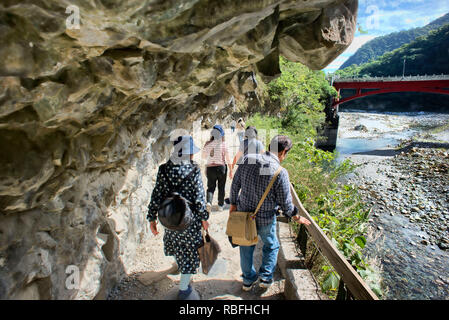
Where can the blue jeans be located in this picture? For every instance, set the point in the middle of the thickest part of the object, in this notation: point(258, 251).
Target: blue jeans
point(269, 255)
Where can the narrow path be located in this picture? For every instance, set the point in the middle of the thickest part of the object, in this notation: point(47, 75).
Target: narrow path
point(152, 274)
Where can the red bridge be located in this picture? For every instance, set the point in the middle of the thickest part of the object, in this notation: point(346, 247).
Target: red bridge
point(370, 86)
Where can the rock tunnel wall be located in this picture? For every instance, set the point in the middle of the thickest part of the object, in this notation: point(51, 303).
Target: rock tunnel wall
point(86, 114)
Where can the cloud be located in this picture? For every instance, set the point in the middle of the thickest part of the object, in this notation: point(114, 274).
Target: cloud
point(380, 17)
point(334, 65)
point(357, 43)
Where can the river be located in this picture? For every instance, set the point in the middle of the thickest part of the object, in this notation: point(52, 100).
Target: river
point(408, 192)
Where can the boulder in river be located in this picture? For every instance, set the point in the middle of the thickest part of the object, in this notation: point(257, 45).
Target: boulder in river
point(361, 127)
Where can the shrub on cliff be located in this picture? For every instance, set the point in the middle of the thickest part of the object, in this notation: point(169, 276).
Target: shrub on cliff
point(301, 94)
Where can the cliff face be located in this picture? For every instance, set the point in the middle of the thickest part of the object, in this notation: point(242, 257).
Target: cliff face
point(86, 115)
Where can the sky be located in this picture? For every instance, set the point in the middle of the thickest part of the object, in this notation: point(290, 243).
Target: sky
point(381, 17)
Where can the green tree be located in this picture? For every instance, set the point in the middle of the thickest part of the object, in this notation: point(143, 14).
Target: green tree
point(301, 95)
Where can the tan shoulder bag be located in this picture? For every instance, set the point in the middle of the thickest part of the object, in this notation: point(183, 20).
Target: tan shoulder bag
point(241, 226)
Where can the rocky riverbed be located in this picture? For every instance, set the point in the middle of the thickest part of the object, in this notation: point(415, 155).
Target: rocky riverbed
point(403, 176)
point(425, 200)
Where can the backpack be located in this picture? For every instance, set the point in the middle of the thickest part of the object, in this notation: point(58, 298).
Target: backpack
point(174, 212)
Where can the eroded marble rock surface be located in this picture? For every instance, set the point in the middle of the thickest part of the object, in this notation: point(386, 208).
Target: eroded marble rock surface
point(86, 115)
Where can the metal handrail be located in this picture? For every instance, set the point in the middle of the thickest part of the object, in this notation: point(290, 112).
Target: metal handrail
point(358, 288)
point(392, 78)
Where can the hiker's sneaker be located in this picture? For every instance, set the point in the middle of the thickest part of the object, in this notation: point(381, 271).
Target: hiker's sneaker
point(208, 207)
point(247, 287)
point(265, 283)
point(184, 294)
point(220, 208)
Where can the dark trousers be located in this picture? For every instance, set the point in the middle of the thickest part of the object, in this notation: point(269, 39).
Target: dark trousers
point(216, 176)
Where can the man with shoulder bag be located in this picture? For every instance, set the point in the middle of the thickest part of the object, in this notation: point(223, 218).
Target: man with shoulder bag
point(259, 189)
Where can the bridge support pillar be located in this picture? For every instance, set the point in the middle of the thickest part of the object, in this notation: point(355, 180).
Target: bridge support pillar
point(327, 133)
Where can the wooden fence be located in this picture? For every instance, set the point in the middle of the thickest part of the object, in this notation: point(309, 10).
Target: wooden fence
point(351, 284)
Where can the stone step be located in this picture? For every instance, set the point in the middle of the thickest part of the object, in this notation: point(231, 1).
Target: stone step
point(299, 281)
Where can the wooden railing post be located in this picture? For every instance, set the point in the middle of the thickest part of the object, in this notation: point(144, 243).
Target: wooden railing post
point(302, 239)
point(342, 293)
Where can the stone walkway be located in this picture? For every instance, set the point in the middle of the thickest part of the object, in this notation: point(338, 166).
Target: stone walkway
point(152, 275)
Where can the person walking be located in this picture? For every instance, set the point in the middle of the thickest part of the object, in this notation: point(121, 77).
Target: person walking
point(250, 145)
point(182, 175)
point(217, 154)
point(232, 125)
point(240, 129)
point(250, 182)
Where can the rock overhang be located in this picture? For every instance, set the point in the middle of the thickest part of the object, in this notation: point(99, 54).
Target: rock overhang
point(84, 114)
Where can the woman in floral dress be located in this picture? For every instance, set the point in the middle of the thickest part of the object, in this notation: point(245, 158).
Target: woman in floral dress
point(177, 174)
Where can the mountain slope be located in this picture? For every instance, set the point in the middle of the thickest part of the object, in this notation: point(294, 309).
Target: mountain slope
point(426, 55)
point(392, 41)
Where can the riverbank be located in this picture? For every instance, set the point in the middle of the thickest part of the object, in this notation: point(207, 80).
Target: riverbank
point(403, 176)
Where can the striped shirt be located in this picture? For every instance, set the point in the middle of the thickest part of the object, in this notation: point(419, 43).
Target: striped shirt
point(215, 152)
